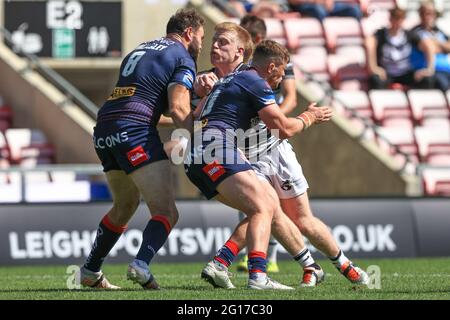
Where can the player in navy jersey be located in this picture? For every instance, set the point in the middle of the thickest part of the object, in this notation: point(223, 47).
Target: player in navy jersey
point(275, 163)
point(155, 78)
point(286, 95)
point(233, 103)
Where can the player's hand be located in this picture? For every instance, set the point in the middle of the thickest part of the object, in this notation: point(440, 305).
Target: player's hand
point(204, 83)
point(321, 114)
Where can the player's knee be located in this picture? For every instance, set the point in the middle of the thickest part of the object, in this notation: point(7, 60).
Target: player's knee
point(124, 208)
point(269, 206)
point(277, 217)
point(170, 212)
point(306, 226)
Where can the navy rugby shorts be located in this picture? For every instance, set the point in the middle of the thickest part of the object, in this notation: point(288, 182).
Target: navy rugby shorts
point(126, 145)
point(207, 176)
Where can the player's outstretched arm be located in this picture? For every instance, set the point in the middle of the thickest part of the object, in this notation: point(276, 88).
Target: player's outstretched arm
point(179, 106)
point(287, 127)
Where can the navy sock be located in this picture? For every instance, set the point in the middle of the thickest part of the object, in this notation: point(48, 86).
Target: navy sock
point(227, 253)
point(154, 236)
point(107, 236)
point(256, 264)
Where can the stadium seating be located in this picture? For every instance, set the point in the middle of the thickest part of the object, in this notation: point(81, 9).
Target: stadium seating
point(389, 104)
point(313, 60)
point(417, 122)
point(432, 141)
point(346, 101)
point(436, 181)
point(29, 146)
point(303, 32)
point(374, 22)
point(427, 103)
point(340, 31)
point(348, 72)
point(275, 30)
point(401, 137)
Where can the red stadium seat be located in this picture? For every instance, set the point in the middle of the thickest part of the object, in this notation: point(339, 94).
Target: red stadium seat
point(340, 31)
point(29, 143)
point(398, 123)
point(437, 123)
point(303, 32)
point(347, 101)
point(427, 103)
point(432, 141)
point(348, 72)
point(402, 137)
point(375, 21)
point(275, 30)
point(358, 53)
point(313, 60)
point(436, 181)
point(389, 104)
point(439, 160)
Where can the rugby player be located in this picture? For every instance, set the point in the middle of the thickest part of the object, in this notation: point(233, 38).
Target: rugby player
point(286, 95)
point(155, 78)
point(286, 176)
point(238, 98)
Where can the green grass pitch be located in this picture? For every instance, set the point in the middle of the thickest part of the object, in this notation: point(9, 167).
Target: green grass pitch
point(424, 278)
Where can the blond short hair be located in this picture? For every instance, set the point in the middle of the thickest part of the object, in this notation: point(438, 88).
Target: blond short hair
point(243, 37)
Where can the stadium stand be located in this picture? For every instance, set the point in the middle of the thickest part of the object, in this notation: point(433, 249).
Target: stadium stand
point(389, 104)
point(330, 57)
point(428, 104)
point(303, 32)
point(26, 150)
point(410, 125)
point(340, 31)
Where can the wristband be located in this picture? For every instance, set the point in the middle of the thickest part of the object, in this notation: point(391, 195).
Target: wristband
point(307, 118)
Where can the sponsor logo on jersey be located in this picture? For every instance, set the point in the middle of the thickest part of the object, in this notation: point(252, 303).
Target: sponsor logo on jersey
point(287, 185)
point(122, 92)
point(188, 78)
point(214, 170)
point(137, 156)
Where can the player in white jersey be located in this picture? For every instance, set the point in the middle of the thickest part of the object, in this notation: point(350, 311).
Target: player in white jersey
point(274, 161)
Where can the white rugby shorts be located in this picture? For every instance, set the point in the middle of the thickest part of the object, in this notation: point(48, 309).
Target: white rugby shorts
point(282, 170)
